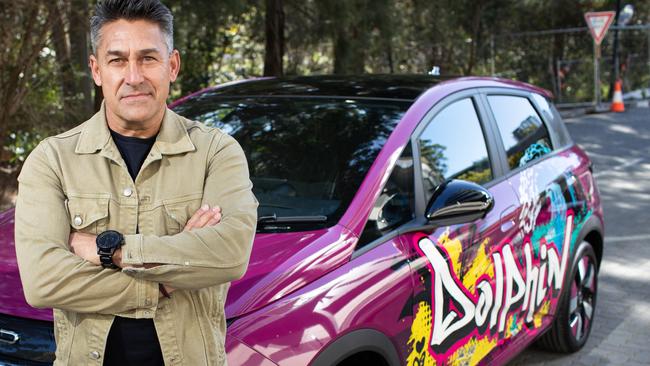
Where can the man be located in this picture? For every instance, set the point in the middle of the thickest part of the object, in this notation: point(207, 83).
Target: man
point(132, 224)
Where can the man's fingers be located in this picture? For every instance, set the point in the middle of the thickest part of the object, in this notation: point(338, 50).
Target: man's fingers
point(201, 218)
point(192, 221)
point(214, 220)
point(204, 216)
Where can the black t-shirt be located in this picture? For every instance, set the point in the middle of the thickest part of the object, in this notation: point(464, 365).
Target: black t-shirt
point(133, 341)
point(134, 151)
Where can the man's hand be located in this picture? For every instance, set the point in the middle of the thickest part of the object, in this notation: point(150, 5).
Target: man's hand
point(204, 216)
point(84, 246)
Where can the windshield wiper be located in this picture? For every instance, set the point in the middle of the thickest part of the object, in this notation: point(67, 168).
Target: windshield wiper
point(291, 219)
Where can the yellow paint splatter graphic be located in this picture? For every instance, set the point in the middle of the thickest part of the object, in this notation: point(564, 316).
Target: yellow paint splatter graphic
point(541, 313)
point(420, 338)
point(472, 352)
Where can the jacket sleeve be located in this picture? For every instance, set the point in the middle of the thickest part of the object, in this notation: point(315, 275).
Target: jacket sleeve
point(53, 276)
point(210, 255)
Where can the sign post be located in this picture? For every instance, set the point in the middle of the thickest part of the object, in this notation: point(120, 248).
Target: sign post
point(598, 23)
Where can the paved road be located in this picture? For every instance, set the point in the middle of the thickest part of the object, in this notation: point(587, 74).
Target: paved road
point(619, 145)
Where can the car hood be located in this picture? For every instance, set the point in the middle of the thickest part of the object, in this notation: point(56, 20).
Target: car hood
point(12, 299)
point(280, 263)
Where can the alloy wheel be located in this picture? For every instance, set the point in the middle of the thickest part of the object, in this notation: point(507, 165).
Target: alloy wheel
point(582, 300)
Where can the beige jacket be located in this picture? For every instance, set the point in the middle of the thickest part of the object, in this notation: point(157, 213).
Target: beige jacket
point(77, 181)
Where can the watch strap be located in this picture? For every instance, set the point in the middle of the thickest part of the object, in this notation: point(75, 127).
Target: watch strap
point(106, 258)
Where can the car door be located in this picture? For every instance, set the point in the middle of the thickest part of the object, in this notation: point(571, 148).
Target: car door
point(463, 298)
point(552, 201)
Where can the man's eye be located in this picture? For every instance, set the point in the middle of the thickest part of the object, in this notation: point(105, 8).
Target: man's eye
point(149, 58)
point(116, 61)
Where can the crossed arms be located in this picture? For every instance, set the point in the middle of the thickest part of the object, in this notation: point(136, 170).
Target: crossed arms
point(201, 256)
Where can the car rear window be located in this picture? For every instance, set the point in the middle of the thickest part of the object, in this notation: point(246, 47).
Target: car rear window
point(522, 131)
point(552, 116)
point(307, 156)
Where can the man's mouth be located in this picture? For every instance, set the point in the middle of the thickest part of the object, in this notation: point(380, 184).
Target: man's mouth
point(136, 96)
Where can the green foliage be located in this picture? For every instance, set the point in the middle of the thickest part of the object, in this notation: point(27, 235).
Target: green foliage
point(224, 40)
point(19, 144)
point(218, 42)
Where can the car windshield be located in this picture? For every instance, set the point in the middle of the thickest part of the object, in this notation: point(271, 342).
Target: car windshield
point(307, 156)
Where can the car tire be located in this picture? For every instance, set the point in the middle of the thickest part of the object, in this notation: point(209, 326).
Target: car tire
point(575, 314)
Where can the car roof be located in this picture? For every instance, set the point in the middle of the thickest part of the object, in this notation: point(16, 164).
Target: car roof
point(399, 87)
point(405, 87)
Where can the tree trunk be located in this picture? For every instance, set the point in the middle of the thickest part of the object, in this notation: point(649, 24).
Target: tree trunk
point(349, 55)
point(79, 52)
point(389, 55)
point(274, 38)
point(476, 31)
point(66, 70)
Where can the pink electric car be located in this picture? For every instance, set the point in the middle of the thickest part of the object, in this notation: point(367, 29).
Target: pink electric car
point(403, 220)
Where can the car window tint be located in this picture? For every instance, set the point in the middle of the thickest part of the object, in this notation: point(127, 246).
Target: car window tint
point(522, 131)
point(395, 204)
point(453, 146)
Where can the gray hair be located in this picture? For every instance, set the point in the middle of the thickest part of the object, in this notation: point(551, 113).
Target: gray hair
point(151, 10)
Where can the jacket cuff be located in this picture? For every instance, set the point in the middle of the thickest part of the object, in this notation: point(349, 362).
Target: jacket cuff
point(148, 295)
point(132, 250)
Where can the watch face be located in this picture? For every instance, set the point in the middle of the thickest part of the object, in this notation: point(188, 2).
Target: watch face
point(109, 239)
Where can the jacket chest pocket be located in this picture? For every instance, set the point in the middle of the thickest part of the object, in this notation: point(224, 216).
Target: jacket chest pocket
point(179, 210)
point(88, 212)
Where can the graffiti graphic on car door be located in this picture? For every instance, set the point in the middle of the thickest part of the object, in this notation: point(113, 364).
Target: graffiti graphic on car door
point(472, 305)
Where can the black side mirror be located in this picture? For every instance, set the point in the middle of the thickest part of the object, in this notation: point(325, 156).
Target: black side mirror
point(457, 202)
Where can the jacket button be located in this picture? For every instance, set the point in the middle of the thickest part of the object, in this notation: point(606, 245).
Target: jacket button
point(94, 355)
point(77, 220)
point(127, 192)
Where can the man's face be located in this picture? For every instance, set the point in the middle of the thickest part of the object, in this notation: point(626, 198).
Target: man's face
point(134, 68)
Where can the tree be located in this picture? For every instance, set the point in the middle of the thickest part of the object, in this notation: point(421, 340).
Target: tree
point(24, 29)
point(70, 36)
point(202, 34)
point(353, 26)
point(273, 65)
point(79, 35)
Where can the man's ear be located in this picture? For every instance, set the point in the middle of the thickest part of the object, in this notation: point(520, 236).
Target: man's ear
point(174, 65)
point(94, 69)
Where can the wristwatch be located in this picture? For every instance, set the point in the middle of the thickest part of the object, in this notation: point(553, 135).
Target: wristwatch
point(107, 243)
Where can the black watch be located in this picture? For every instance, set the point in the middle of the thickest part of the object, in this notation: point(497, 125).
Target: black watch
point(107, 243)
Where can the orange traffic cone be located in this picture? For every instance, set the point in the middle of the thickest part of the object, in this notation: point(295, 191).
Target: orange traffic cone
point(617, 102)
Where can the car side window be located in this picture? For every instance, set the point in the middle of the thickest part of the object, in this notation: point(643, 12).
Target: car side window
point(452, 146)
point(395, 204)
point(554, 120)
point(522, 131)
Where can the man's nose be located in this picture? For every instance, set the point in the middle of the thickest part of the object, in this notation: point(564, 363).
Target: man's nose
point(134, 74)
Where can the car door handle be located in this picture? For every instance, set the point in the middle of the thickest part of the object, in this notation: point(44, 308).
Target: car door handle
point(8, 336)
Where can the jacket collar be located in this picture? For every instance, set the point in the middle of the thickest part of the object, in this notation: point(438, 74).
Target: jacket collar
point(172, 137)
